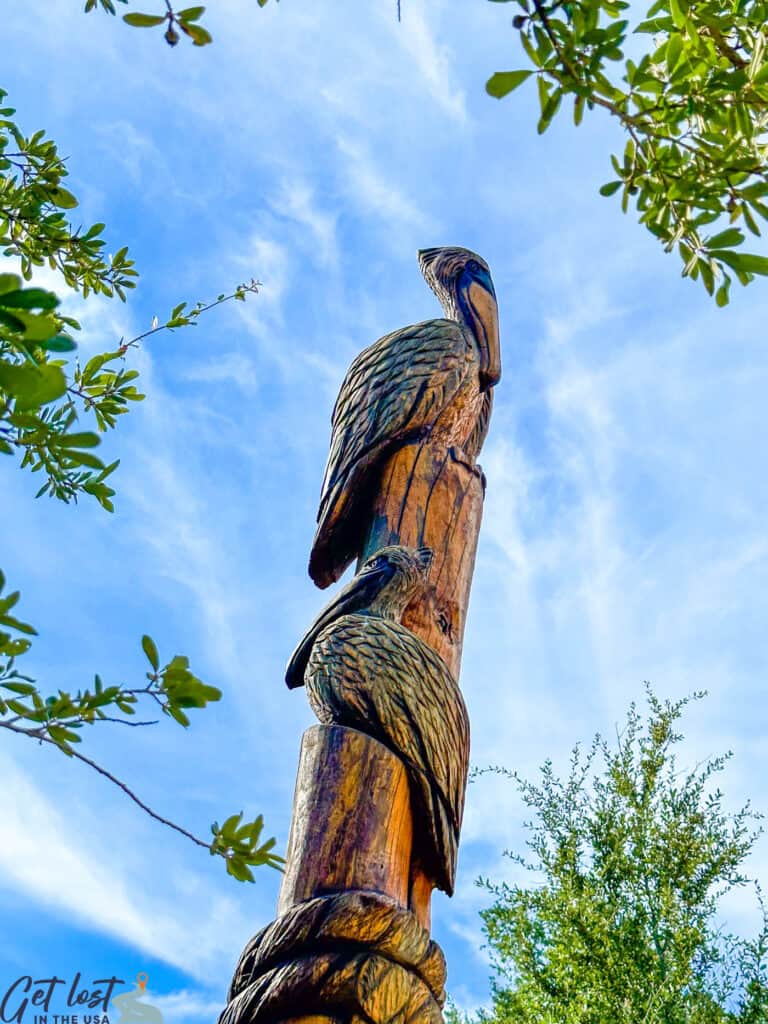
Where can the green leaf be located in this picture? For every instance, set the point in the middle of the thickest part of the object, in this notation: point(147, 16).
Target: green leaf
point(610, 187)
point(150, 649)
point(199, 35)
point(721, 295)
point(144, 20)
point(238, 869)
point(32, 386)
point(62, 198)
point(37, 326)
point(191, 13)
point(752, 263)
point(25, 689)
point(744, 262)
point(674, 50)
point(84, 439)
point(550, 109)
point(61, 343)
point(11, 322)
point(231, 823)
point(29, 298)
point(504, 82)
point(726, 239)
point(9, 283)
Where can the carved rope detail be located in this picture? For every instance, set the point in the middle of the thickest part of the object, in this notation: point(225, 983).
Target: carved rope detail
point(349, 953)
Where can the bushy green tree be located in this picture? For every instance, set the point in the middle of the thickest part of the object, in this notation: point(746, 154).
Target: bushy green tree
point(52, 413)
point(630, 857)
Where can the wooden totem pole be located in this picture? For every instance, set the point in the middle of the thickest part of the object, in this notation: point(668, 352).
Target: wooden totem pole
point(380, 788)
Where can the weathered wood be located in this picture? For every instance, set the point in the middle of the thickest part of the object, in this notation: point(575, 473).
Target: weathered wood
point(356, 921)
point(362, 983)
point(351, 825)
point(363, 669)
point(346, 957)
point(429, 498)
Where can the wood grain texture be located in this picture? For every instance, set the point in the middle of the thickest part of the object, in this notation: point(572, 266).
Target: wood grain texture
point(345, 957)
point(351, 825)
point(352, 920)
point(368, 838)
point(335, 983)
point(427, 498)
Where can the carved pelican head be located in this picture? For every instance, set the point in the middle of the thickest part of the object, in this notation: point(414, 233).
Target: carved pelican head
point(400, 573)
point(461, 280)
point(383, 586)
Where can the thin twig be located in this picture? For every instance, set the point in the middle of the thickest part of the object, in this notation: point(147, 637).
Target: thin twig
point(120, 785)
point(124, 721)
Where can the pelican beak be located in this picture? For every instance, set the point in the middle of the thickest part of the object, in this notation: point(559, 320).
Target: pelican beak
point(358, 593)
point(480, 304)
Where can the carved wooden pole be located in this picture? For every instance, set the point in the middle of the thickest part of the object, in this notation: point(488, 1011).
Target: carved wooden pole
point(380, 788)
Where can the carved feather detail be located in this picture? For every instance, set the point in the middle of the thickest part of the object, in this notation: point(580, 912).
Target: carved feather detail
point(416, 382)
point(376, 676)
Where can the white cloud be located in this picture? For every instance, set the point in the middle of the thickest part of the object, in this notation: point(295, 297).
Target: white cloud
point(135, 152)
point(374, 192)
point(432, 60)
point(187, 1005)
point(296, 199)
point(46, 857)
point(228, 368)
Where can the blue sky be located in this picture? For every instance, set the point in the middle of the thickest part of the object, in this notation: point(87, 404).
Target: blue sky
point(316, 146)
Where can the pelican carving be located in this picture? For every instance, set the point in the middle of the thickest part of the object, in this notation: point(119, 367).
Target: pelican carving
point(365, 670)
point(432, 380)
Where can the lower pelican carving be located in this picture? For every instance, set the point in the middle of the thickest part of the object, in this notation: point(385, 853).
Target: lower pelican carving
point(365, 670)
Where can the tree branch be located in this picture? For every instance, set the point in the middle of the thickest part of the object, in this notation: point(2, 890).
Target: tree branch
point(42, 738)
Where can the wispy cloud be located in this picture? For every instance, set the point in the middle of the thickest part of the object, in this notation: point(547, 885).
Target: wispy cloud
point(47, 859)
point(432, 59)
point(296, 199)
point(377, 195)
point(187, 1005)
point(229, 368)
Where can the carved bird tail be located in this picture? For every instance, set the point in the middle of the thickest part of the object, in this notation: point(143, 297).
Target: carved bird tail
point(340, 525)
point(439, 855)
point(332, 551)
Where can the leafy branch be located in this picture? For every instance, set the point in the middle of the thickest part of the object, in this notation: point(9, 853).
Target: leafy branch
point(694, 109)
point(40, 404)
point(186, 20)
point(58, 720)
point(42, 398)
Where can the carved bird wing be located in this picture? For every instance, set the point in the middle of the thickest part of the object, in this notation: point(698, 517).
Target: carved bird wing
point(393, 392)
point(377, 676)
